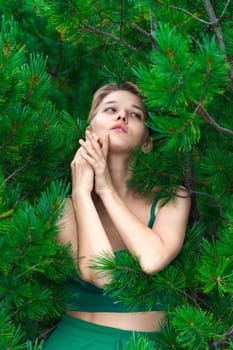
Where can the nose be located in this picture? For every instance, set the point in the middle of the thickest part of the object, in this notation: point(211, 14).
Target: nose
point(123, 116)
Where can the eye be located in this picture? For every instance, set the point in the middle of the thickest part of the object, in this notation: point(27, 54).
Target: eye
point(110, 109)
point(136, 115)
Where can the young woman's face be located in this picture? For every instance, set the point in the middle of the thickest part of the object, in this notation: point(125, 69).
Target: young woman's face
point(120, 114)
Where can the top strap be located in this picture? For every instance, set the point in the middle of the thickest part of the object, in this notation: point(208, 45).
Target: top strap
point(152, 213)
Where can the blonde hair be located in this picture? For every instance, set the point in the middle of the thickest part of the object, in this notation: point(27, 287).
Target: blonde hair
point(105, 90)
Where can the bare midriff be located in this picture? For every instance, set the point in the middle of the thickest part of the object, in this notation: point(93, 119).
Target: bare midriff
point(137, 321)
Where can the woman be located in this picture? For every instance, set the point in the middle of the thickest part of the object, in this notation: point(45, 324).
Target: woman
point(105, 214)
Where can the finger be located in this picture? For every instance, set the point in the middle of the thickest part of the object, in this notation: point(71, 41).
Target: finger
point(92, 144)
point(105, 146)
point(87, 158)
point(77, 154)
point(93, 138)
point(78, 160)
point(87, 147)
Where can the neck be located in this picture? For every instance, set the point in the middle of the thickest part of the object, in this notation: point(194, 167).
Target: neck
point(120, 173)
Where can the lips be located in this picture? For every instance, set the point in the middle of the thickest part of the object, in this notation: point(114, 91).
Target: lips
point(120, 127)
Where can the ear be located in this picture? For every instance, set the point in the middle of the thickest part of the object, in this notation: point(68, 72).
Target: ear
point(147, 145)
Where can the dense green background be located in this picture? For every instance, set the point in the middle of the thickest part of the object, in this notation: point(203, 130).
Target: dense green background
point(53, 56)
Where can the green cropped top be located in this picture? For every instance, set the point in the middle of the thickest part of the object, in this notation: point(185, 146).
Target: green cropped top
point(89, 298)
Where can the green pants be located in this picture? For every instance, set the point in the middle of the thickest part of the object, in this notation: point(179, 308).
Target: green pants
point(74, 334)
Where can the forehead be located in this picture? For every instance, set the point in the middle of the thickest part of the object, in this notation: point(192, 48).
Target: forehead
point(122, 97)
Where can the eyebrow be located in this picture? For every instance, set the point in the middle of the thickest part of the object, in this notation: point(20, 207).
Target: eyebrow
point(133, 105)
point(138, 107)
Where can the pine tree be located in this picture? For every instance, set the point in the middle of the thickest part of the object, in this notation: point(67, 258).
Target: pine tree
point(180, 55)
point(33, 183)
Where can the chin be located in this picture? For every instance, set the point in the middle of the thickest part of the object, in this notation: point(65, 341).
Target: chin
point(119, 148)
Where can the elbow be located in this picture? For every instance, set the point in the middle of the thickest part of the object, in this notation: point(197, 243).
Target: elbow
point(152, 265)
point(95, 280)
point(156, 261)
point(149, 269)
point(92, 276)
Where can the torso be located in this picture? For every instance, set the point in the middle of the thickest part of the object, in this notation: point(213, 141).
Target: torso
point(139, 206)
point(138, 321)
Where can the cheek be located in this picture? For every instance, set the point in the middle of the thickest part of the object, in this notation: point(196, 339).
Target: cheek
point(143, 136)
point(98, 129)
point(96, 123)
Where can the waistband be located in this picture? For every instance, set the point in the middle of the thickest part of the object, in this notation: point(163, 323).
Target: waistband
point(101, 331)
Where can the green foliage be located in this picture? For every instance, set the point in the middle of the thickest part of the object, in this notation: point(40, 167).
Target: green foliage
point(216, 269)
point(188, 320)
point(29, 131)
point(10, 61)
point(141, 342)
point(33, 279)
point(10, 335)
point(53, 55)
point(33, 138)
point(191, 321)
point(174, 96)
point(171, 283)
point(35, 346)
point(124, 286)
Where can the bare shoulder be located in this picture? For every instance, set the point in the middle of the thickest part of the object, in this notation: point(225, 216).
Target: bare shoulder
point(67, 212)
point(182, 198)
point(183, 192)
point(67, 226)
point(174, 214)
point(68, 205)
point(170, 225)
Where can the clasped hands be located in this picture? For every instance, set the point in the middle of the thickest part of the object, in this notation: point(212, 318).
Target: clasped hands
point(89, 166)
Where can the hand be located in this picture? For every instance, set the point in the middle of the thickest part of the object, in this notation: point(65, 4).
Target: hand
point(96, 155)
point(82, 174)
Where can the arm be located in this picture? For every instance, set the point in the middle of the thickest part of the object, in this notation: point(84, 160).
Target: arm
point(68, 229)
point(91, 236)
point(155, 248)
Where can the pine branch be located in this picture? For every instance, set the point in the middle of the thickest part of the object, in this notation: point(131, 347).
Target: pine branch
point(189, 183)
point(224, 10)
point(103, 33)
point(190, 297)
point(44, 334)
point(145, 33)
point(207, 117)
point(8, 140)
point(54, 71)
point(121, 17)
point(184, 11)
point(99, 11)
point(108, 35)
point(194, 327)
point(218, 31)
point(216, 200)
point(19, 169)
point(214, 22)
point(222, 342)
